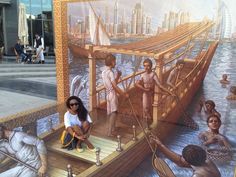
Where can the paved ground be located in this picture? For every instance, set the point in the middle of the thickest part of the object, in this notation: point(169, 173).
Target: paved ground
point(26, 86)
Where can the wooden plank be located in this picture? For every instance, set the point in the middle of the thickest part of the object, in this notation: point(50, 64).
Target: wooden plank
point(107, 147)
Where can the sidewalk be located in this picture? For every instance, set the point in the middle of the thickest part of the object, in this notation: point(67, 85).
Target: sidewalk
point(26, 86)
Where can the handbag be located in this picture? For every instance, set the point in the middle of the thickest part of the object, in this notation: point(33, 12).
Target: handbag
point(64, 138)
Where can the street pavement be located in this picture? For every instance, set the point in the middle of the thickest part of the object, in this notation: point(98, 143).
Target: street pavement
point(26, 86)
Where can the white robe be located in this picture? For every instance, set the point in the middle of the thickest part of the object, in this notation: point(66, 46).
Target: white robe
point(25, 148)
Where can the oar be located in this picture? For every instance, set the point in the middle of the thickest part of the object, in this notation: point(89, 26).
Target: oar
point(145, 135)
point(21, 162)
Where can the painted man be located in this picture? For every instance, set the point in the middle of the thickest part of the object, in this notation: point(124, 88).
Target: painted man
point(175, 74)
point(110, 83)
point(193, 157)
point(28, 149)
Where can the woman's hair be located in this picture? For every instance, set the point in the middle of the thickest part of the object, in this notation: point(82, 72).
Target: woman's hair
point(213, 115)
point(109, 59)
point(194, 155)
point(233, 90)
point(82, 111)
point(210, 102)
point(149, 61)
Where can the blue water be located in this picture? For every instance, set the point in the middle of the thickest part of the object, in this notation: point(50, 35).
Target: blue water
point(224, 61)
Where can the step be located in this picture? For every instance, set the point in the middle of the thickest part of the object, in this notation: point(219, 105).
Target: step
point(27, 69)
point(27, 74)
point(18, 65)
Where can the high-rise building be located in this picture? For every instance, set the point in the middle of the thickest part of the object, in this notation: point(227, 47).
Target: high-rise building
point(116, 17)
point(172, 20)
point(106, 15)
point(148, 25)
point(133, 22)
point(39, 19)
point(139, 18)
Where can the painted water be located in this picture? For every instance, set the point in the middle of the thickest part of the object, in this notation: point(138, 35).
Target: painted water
point(223, 62)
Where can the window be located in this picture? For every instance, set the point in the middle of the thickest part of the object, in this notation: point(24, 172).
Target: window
point(36, 9)
point(1, 28)
point(48, 33)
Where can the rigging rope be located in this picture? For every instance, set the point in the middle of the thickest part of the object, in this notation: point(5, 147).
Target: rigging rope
point(163, 174)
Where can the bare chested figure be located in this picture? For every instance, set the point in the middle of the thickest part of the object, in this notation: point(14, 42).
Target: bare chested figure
point(224, 79)
point(212, 136)
point(147, 83)
point(232, 96)
point(193, 157)
point(208, 107)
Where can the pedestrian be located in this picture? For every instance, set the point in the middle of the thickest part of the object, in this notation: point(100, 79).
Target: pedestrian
point(39, 45)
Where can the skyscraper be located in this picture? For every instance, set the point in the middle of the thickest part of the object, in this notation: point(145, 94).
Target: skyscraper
point(116, 17)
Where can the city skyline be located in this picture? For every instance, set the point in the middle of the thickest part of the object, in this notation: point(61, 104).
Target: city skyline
point(198, 9)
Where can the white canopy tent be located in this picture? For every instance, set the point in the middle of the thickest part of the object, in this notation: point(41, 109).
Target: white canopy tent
point(22, 25)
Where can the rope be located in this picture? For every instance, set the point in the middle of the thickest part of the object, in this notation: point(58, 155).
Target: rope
point(192, 124)
point(145, 135)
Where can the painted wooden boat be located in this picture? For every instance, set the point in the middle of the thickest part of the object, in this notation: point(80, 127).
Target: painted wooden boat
point(165, 49)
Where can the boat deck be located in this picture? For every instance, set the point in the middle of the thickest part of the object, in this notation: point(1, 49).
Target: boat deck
point(107, 147)
point(59, 157)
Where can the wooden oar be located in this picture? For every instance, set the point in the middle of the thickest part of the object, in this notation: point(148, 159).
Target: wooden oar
point(21, 162)
point(17, 160)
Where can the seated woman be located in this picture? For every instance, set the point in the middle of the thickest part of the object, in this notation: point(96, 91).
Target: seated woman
point(78, 125)
point(232, 96)
point(224, 79)
point(212, 136)
point(209, 107)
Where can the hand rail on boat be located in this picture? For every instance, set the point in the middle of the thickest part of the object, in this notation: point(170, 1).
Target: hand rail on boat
point(181, 87)
point(101, 91)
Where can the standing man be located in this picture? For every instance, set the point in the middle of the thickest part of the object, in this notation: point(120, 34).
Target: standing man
point(28, 149)
point(174, 75)
point(110, 83)
point(39, 45)
point(147, 83)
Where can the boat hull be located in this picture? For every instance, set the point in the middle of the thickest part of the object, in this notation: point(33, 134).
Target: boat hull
point(134, 152)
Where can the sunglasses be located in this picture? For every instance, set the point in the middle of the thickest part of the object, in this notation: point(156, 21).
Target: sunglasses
point(213, 121)
point(74, 104)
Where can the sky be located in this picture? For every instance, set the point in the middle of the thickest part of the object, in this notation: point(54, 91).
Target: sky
point(157, 8)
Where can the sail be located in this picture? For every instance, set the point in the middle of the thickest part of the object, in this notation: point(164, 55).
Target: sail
point(98, 34)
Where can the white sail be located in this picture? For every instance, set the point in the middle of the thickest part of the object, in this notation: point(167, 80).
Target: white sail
point(98, 34)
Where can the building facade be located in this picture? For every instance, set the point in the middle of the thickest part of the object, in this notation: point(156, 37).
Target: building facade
point(39, 20)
